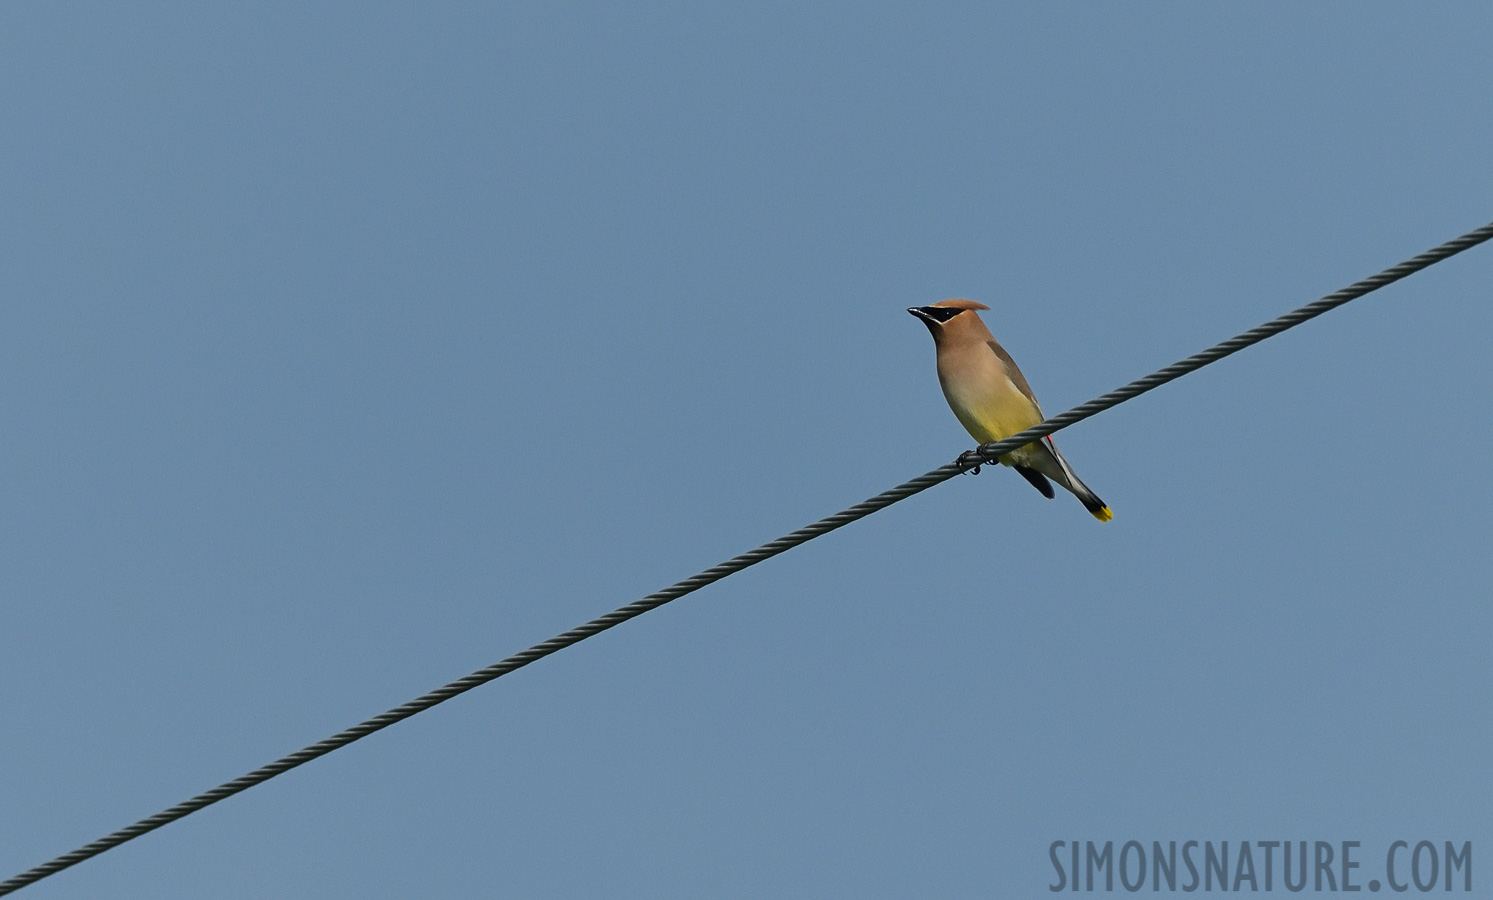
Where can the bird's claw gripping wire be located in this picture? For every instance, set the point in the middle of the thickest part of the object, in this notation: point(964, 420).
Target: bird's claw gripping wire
point(972, 456)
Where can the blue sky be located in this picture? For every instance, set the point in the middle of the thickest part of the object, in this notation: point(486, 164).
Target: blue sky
point(346, 349)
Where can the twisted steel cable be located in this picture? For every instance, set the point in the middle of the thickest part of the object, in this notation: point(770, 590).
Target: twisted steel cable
point(968, 460)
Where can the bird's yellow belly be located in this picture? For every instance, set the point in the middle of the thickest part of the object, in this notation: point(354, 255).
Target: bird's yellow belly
point(986, 427)
point(995, 415)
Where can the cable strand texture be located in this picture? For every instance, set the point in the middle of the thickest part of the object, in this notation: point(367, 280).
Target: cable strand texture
point(968, 460)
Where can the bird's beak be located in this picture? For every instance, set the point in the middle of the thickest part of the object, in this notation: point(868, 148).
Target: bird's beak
point(923, 314)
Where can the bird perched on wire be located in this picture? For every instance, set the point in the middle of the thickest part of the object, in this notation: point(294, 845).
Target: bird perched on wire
point(992, 400)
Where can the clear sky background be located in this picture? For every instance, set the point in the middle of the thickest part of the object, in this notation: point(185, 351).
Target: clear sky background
point(348, 348)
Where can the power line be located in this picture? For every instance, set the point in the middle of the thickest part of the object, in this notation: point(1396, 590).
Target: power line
point(966, 461)
point(1235, 344)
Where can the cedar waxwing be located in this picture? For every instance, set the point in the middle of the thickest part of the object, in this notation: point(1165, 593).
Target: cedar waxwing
point(993, 401)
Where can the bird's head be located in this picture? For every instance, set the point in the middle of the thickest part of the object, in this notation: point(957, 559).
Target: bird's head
point(940, 314)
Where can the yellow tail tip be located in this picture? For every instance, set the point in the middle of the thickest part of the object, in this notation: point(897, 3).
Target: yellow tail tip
point(1102, 514)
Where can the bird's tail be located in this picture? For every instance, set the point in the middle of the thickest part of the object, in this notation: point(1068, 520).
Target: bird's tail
point(1070, 480)
point(1091, 502)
